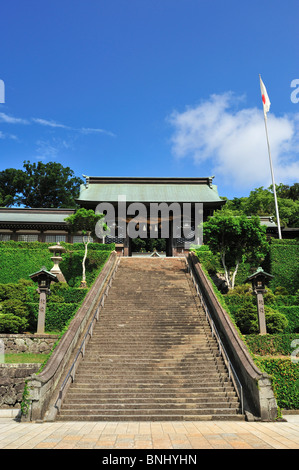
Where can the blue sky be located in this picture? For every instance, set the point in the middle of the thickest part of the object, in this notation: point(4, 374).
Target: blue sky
point(152, 88)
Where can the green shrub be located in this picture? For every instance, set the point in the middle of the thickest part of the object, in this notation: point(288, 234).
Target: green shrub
point(210, 261)
point(12, 324)
point(280, 291)
point(13, 291)
point(14, 307)
point(70, 295)
point(271, 345)
point(286, 300)
point(57, 315)
point(285, 379)
point(60, 292)
point(241, 290)
point(291, 312)
point(247, 320)
point(269, 297)
point(236, 301)
point(276, 322)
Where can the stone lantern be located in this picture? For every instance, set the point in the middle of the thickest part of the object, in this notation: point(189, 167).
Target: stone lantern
point(258, 281)
point(43, 279)
point(56, 258)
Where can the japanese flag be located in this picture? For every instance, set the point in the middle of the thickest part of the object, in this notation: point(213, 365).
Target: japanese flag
point(265, 97)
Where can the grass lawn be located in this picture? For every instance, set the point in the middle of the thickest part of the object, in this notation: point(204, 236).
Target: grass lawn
point(24, 358)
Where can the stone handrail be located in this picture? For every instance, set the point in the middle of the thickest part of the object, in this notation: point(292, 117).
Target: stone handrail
point(259, 397)
point(42, 386)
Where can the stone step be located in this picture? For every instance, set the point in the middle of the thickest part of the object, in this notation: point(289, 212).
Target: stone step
point(150, 412)
point(98, 368)
point(129, 401)
point(181, 361)
point(152, 417)
point(142, 334)
point(167, 407)
point(153, 388)
point(134, 379)
point(81, 392)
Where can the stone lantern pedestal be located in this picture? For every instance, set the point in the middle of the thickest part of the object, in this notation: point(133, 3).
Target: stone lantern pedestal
point(56, 258)
point(258, 280)
point(44, 279)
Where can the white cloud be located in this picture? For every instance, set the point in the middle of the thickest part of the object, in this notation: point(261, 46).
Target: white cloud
point(53, 124)
point(12, 120)
point(48, 149)
point(45, 122)
point(83, 130)
point(8, 136)
point(90, 130)
point(232, 141)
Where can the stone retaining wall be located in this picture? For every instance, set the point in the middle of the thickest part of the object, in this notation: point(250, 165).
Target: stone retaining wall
point(12, 382)
point(27, 343)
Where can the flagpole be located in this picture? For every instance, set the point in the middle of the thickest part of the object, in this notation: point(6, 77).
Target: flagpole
point(272, 175)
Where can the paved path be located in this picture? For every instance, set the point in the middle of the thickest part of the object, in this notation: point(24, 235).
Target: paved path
point(150, 435)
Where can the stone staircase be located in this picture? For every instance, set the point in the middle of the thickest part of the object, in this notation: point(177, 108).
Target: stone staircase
point(152, 355)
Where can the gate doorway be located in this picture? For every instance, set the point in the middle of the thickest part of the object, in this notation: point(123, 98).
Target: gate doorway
point(145, 247)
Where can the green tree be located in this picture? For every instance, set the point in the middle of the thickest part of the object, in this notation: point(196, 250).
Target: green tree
point(84, 221)
point(12, 183)
point(49, 185)
point(237, 239)
point(39, 185)
point(261, 202)
point(288, 192)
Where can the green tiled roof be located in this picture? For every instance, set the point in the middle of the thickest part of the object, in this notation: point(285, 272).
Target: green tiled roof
point(32, 216)
point(149, 192)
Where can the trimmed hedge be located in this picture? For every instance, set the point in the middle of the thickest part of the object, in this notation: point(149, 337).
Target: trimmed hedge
point(57, 315)
point(71, 266)
point(292, 314)
point(59, 293)
point(285, 380)
point(284, 264)
point(20, 259)
point(17, 264)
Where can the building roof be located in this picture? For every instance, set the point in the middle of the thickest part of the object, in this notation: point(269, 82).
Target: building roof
point(14, 215)
point(145, 190)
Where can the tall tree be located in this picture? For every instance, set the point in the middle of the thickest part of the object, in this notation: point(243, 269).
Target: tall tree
point(237, 239)
point(261, 202)
point(12, 183)
point(49, 185)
